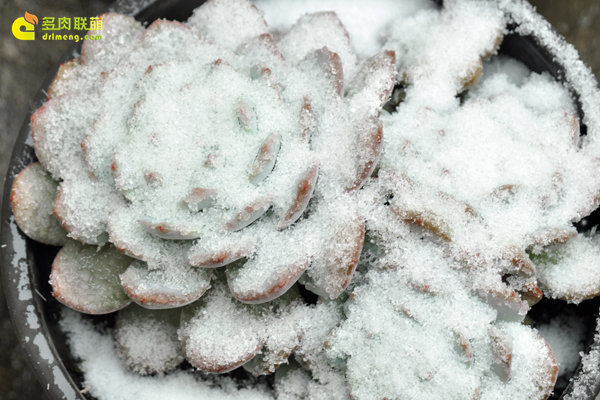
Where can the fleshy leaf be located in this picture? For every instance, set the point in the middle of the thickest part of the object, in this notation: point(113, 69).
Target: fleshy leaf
point(220, 334)
point(228, 22)
point(86, 278)
point(200, 198)
point(217, 253)
point(31, 197)
point(315, 30)
point(368, 146)
point(123, 35)
point(166, 230)
point(266, 276)
point(170, 284)
point(147, 341)
point(265, 159)
point(304, 191)
point(372, 85)
point(331, 272)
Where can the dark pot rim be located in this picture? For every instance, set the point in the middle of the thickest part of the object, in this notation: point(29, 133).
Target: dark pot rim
point(25, 263)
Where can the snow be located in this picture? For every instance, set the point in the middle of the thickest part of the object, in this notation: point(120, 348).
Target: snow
point(570, 271)
point(363, 28)
point(481, 173)
point(565, 335)
point(86, 278)
point(147, 340)
point(32, 196)
point(107, 377)
point(585, 382)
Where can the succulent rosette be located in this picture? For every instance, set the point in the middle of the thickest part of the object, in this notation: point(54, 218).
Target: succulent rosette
point(419, 307)
point(484, 165)
point(179, 148)
point(454, 343)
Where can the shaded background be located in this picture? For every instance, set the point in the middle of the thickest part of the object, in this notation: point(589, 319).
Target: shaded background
point(24, 65)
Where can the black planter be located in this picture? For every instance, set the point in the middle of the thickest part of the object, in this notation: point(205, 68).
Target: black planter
point(26, 263)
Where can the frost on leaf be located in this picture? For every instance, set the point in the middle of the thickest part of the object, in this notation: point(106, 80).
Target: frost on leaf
point(147, 341)
point(31, 198)
point(312, 32)
point(228, 22)
point(86, 278)
point(167, 284)
point(569, 271)
point(220, 334)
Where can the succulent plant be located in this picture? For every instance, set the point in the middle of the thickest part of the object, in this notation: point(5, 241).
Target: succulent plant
point(493, 191)
point(32, 196)
point(181, 148)
point(454, 342)
point(202, 169)
point(200, 142)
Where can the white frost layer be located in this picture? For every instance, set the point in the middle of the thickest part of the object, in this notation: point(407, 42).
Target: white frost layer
point(363, 27)
point(453, 102)
point(439, 340)
point(589, 373)
point(31, 198)
point(514, 161)
point(578, 75)
point(572, 271)
point(107, 378)
point(565, 335)
point(150, 145)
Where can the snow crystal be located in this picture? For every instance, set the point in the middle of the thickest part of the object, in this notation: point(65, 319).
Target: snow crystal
point(108, 379)
point(584, 384)
point(86, 278)
point(147, 340)
point(229, 22)
point(565, 335)
point(219, 334)
point(476, 175)
point(364, 28)
point(31, 198)
point(570, 271)
point(165, 283)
